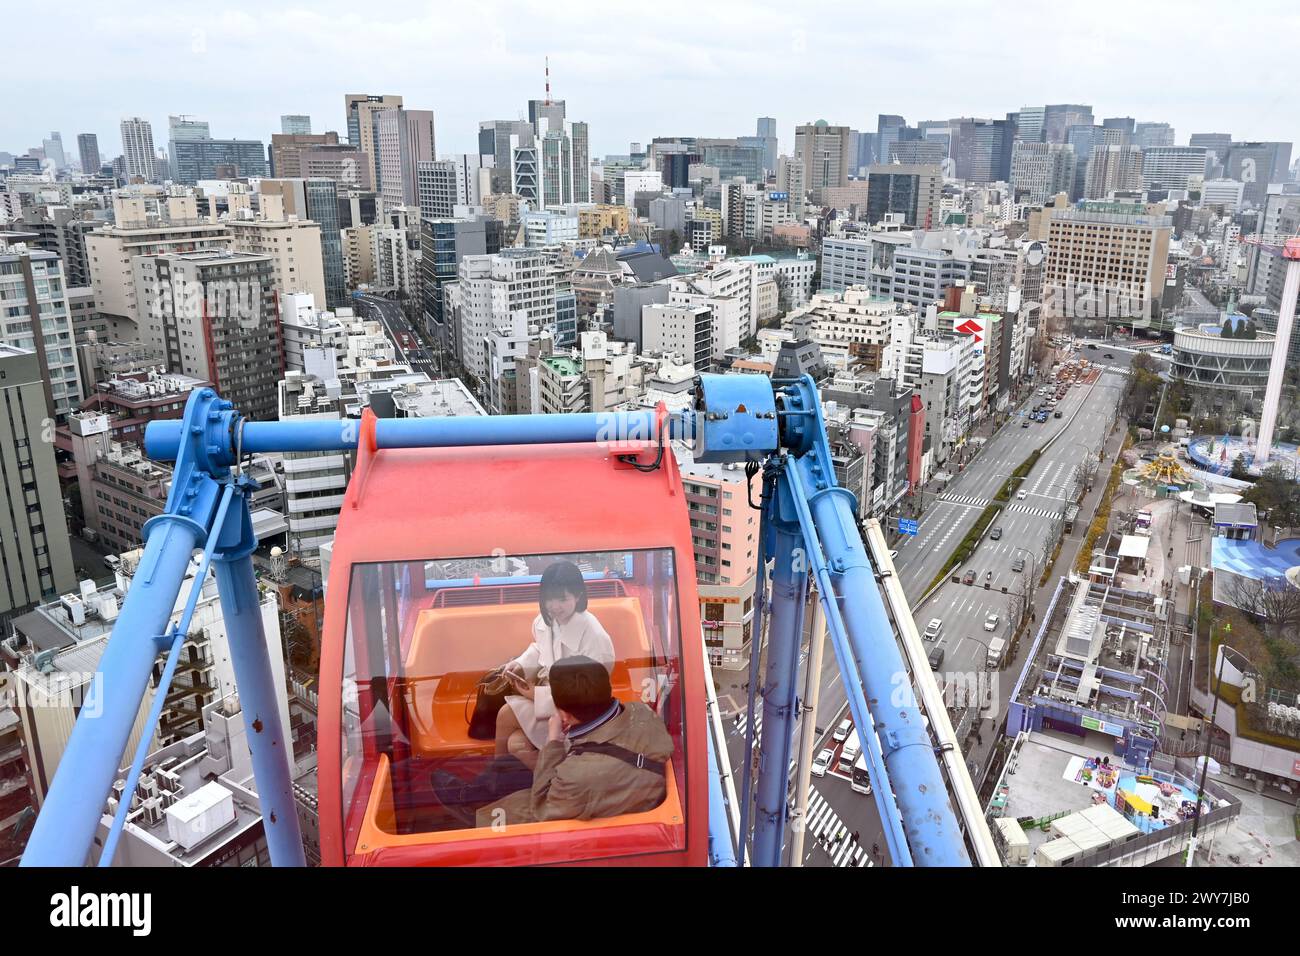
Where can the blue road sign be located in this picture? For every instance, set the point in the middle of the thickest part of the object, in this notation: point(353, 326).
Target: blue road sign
point(907, 526)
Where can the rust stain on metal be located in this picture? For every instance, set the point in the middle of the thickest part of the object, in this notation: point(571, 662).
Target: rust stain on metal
point(257, 725)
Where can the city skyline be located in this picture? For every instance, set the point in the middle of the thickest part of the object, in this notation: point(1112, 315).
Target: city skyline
point(433, 58)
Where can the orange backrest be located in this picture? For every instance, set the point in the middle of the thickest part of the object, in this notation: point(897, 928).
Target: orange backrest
point(453, 647)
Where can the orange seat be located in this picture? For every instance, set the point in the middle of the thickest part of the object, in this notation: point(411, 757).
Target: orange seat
point(657, 830)
point(453, 647)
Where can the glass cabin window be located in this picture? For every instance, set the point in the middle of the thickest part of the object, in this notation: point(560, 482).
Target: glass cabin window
point(601, 745)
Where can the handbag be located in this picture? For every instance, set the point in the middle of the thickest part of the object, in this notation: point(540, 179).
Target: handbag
point(488, 700)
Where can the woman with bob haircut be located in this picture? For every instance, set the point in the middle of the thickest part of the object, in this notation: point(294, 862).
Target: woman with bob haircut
point(563, 628)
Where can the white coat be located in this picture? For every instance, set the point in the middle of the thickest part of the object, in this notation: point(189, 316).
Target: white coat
point(581, 635)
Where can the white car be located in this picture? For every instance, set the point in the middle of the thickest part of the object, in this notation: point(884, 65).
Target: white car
point(1021, 495)
point(842, 731)
point(991, 622)
point(822, 762)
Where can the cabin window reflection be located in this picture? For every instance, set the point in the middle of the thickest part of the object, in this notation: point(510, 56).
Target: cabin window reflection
point(508, 690)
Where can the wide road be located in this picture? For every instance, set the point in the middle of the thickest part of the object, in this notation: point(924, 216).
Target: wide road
point(389, 314)
point(948, 514)
point(1028, 525)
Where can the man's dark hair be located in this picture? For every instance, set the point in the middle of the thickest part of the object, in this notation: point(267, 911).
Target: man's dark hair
point(580, 686)
point(560, 578)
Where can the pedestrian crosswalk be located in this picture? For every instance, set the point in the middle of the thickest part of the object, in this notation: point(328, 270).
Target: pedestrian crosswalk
point(1117, 369)
point(741, 723)
point(1036, 512)
point(968, 500)
point(824, 822)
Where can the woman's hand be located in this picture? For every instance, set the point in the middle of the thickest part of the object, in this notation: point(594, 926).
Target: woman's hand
point(522, 687)
point(513, 671)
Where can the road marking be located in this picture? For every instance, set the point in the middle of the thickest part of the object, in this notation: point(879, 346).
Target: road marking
point(823, 819)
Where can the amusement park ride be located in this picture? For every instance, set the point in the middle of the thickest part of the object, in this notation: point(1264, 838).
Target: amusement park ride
point(407, 635)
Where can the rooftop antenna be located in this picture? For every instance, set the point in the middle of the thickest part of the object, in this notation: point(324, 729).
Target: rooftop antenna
point(548, 81)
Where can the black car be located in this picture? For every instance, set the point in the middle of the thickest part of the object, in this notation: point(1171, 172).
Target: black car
point(997, 534)
point(1057, 415)
point(1093, 346)
point(1108, 355)
point(1018, 565)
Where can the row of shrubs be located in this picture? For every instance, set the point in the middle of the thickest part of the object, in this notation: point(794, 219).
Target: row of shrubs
point(1026, 466)
point(967, 546)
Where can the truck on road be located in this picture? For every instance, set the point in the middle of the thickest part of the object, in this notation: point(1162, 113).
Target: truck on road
point(996, 649)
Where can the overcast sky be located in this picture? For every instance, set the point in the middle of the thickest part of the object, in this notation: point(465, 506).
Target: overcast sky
point(639, 70)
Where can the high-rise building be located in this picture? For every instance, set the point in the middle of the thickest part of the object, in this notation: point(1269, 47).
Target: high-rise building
point(580, 151)
point(1173, 167)
point(443, 244)
point(360, 110)
point(213, 315)
point(186, 128)
point(88, 150)
point(919, 151)
point(1029, 124)
point(296, 124)
point(767, 133)
point(293, 246)
point(287, 149)
point(498, 139)
point(1041, 170)
point(435, 186)
point(317, 200)
point(525, 177)
point(196, 159)
point(1256, 164)
point(1113, 169)
point(136, 231)
point(137, 149)
point(887, 133)
point(1058, 118)
point(53, 146)
point(33, 290)
point(1127, 127)
point(346, 165)
point(1105, 262)
point(546, 113)
point(826, 153)
point(1084, 138)
point(1146, 135)
point(35, 550)
point(981, 149)
point(1216, 143)
point(489, 291)
point(912, 191)
point(405, 140)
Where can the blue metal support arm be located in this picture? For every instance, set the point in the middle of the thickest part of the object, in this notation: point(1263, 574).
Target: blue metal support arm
point(177, 638)
point(65, 829)
point(853, 603)
point(224, 438)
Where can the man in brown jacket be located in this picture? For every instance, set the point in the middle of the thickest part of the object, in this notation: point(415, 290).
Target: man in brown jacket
point(602, 757)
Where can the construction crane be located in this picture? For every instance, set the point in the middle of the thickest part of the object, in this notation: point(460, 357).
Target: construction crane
point(406, 640)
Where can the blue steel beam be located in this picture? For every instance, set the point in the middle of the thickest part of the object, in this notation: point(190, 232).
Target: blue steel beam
point(784, 635)
point(913, 771)
point(241, 610)
point(70, 815)
point(177, 637)
point(223, 437)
